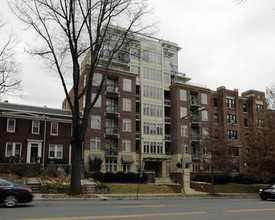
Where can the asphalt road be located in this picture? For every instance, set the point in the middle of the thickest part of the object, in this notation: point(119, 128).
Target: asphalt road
point(153, 209)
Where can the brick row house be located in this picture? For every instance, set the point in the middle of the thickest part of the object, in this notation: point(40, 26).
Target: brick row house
point(34, 134)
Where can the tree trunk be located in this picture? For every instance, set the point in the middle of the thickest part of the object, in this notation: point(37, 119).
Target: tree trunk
point(75, 188)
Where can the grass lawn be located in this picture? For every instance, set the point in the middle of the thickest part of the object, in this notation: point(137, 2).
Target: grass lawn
point(239, 188)
point(120, 188)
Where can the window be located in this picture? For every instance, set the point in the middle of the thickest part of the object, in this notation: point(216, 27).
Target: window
point(98, 101)
point(146, 109)
point(184, 130)
point(205, 132)
point(97, 79)
point(127, 124)
point(83, 101)
point(260, 123)
point(96, 121)
point(126, 145)
point(235, 151)
point(168, 166)
point(146, 128)
point(55, 151)
point(127, 85)
point(183, 95)
point(54, 128)
point(259, 108)
point(167, 79)
point(215, 101)
point(183, 112)
point(185, 148)
point(204, 99)
point(159, 111)
point(245, 122)
point(13, 149)
point(231, 119)
point(127, 104)
point(244, 107)
point(134, 69)
point(152, 110)
point(35, 127)
point(146, 147)
point(134, 53)
point(216, 118)
point(11, 123)
point(95, 143)
point(204, 115)
point(159, 129)
point(232, 135)
point(126, 168)
point(111, 165)
point(153, 129)
point(230, 103)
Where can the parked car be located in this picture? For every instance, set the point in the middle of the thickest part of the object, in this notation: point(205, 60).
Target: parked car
point(12, 193)
point(267, 193)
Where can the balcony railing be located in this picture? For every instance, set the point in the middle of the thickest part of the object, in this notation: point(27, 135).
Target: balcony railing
point(112, 131)
point(112, 109)
point(167, 119)
point(137, 97)
point(111, 152)
point(195, 102)
point(112, 88)
point(196, 156)
point(167, 102)
point(196, 137)
point(168, 137)
point(195, 119)
point(137, 135)
point(137, 116)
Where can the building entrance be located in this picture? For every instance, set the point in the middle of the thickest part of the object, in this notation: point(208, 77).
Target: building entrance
point(154, 167)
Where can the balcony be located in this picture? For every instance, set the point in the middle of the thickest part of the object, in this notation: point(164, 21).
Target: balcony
point(137, 135)
point(112, 89)
point(195, 102)
point(167, 120)
point(196, 137)
point(168, 137)
point(112, 109)
point(167, 102)
point(195, 119)
point(138, 97)
point(111, 153)
point(196, 156)
point(137, 116)
point(112, 131)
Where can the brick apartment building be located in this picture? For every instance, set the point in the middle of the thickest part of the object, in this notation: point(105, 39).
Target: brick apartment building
point(149, 114)
point(32, 134)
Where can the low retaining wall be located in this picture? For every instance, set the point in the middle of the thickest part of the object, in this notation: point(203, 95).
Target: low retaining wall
point(201, 186)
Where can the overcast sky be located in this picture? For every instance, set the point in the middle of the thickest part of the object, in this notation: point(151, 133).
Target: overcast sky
point(223, 44)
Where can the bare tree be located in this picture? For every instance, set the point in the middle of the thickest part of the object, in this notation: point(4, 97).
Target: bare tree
point(270, 96)
point(259, 152)
point(69, 29)
point(219, 150)
point(10, 79)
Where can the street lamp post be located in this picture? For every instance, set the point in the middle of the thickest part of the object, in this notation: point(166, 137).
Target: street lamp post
point(182, 145)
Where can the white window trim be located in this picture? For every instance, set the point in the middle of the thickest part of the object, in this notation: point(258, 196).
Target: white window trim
point(97, 117)
point(126, 145)
point(97, 141)
point(13, 149)
point(55, 151)
point(54, 134)
point(127, 104)
point(11, 119)
point(126, 121)
point(38, 132)
point(127, 87)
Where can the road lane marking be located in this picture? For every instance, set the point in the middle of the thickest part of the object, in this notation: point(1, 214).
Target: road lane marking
point(144, 206)
point(118, 216)
point(250, 210)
